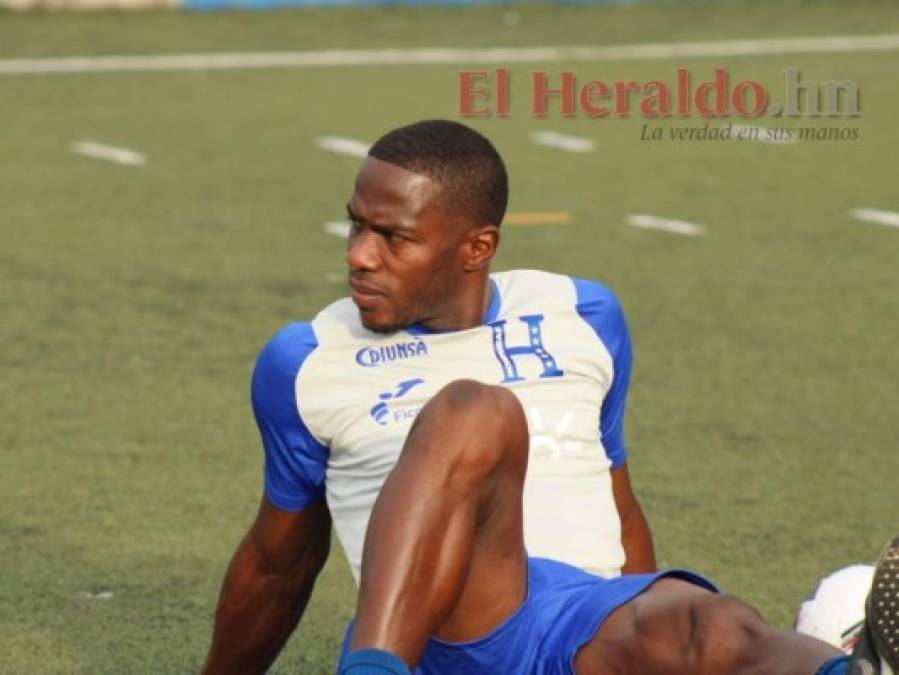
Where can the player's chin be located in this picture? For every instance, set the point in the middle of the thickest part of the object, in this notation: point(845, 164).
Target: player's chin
point(378, 321)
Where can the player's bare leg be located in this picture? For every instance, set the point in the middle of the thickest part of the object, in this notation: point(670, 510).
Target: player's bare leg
point(676, 628)
point(444, 556)
point(444, 552)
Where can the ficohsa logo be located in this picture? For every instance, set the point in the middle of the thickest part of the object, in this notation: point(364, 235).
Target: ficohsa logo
point(380, 410)
point(369, 357)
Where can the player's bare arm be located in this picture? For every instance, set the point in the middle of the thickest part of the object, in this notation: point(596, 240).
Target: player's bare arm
point(636, 537)
point(267, 587)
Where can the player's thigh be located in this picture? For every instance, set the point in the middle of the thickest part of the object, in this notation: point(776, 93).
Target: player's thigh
point(475, 435)
point(673, 628)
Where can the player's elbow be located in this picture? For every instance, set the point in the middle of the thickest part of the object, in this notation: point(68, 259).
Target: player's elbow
point(261, 581)
point(314, 560)
point(299, 572)
point(636, 539)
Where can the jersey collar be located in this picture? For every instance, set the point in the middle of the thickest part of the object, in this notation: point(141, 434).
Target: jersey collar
point(490, 315)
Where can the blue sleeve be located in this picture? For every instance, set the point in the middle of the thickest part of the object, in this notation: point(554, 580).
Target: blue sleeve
point(599, 307)
point(295, 461)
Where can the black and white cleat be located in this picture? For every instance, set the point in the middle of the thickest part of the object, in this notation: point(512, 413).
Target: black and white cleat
point(877, 652)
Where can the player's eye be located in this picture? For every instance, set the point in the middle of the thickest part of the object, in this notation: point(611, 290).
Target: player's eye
point(392, 237)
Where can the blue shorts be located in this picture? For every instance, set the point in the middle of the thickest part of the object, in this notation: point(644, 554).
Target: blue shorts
point(563, 610)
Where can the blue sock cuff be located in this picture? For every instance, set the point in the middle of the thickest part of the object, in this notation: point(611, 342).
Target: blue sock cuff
point(836, 666)
point(373, 662)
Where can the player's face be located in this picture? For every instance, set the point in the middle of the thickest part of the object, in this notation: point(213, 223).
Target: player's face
point(402, 250)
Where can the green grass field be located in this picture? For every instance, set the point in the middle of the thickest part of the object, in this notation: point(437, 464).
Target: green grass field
point(762, 423)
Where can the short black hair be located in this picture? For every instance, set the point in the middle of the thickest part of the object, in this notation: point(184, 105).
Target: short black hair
point(463, 163)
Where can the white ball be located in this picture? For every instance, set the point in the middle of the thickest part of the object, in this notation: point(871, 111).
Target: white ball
point(835, 610)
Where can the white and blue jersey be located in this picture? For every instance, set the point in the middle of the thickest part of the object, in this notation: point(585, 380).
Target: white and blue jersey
point(334, 402)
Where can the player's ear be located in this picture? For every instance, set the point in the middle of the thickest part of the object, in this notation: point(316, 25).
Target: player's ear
point(480, 246)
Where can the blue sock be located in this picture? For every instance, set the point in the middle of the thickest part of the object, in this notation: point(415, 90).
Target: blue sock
point(836, 666)
point(373, 662)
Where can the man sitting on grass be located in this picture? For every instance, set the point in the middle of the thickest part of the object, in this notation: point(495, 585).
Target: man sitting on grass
point(402, 413)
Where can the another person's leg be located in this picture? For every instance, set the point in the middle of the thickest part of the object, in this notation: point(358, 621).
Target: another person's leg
point(444, 553)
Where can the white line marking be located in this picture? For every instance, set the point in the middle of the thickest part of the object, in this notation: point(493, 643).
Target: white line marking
point(562, 141)
point(402, 57)
point(757, 134)
point(889, 218)
point(665, 224)
point(344, 146)
point(109, 153)
point(102, 595)
point(339, 228)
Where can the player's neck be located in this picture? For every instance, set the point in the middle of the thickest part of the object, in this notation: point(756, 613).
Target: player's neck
point(467, 310)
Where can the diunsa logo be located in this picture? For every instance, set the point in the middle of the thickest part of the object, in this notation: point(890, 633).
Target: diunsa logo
point(375, 356)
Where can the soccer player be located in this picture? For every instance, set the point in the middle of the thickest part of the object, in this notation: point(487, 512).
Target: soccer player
point(463, 430)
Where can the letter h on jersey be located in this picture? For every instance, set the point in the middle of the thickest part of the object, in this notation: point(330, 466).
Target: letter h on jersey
point(506, 355)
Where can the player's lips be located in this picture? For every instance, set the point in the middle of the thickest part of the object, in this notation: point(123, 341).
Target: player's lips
point(365, 295)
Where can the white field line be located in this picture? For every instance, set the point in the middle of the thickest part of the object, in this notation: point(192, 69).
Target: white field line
point(109, 153)
point(343, 146)
point(102, 595)
point(562, 141)
point(402, 57)
point(888, 218)
point(665, 224)
point(760, 135)
point(339, 228)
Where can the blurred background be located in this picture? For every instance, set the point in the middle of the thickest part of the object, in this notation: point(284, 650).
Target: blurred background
point(165, 209)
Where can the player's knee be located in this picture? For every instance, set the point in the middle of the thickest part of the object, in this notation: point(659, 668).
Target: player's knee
point(489, 415)
point(463, 396)
point(470, 401)
point(725, 634)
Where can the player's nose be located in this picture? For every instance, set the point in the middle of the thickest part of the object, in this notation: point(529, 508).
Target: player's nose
point(362, 250)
